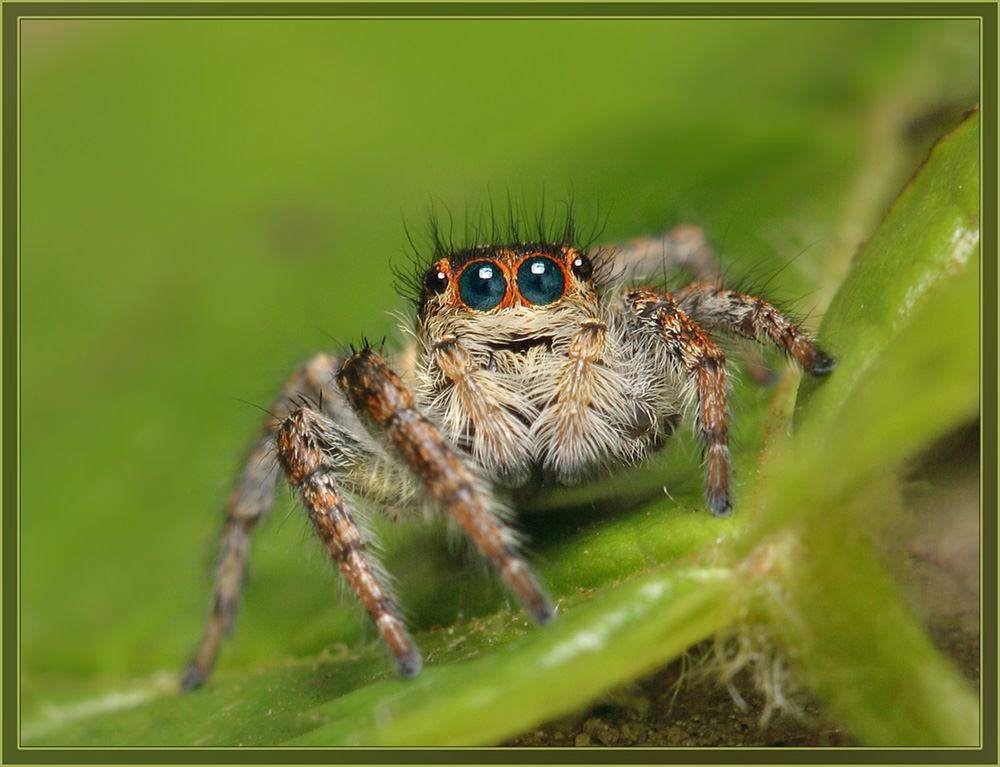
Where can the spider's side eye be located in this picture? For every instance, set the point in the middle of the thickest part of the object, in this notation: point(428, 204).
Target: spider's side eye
point(482, 285)
point(436, 280)
point(540, 280)
point(582, 267)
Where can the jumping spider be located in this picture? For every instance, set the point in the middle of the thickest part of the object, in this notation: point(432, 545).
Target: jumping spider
point(532, 363)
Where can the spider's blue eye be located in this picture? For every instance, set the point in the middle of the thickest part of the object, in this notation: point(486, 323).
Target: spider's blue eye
point(540, 280)
point(482, 285)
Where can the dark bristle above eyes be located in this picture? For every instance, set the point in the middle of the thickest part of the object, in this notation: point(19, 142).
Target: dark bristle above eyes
point(544, 227)
point(459, 258)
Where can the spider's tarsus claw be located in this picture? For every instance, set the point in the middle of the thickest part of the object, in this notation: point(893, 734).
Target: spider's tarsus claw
point(192, 679)
point(538, 604)
point(543, 613)
point(409, 666)
point(720, 507)
point(527, 590)
point(824, 365)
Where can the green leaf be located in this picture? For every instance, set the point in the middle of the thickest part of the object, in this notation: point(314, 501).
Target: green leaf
point(904, 330)
point(904, 325)
point(632, 630)
point(929, 236)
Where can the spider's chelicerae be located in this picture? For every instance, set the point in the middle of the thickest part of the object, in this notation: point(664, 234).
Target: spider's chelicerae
point(531, 363)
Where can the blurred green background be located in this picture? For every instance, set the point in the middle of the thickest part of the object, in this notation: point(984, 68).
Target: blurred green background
point(205, 203)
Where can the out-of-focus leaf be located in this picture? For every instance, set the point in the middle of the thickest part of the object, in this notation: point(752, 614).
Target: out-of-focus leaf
point(907, 367)
point(929, 236)
point(906, 327)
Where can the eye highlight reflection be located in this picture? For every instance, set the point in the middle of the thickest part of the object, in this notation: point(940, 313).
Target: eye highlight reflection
point(482, 286)
point(540, 280)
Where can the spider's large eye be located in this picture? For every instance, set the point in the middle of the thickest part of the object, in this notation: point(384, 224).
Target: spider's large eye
point(482, 285)
point(540, 280)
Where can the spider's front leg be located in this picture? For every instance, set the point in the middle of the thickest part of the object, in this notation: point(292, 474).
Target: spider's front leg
point(683, 249)
point(679, 320)
point(378, 394)
point(701, 365)
point(310, 449)
point(728, 311)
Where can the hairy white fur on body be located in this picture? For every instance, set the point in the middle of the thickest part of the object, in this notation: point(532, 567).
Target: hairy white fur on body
point(587, 396)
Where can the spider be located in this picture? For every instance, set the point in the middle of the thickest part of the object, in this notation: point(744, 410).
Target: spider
point(531, 363)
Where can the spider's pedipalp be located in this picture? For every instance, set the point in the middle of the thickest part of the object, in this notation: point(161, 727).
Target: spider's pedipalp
point(482, 411)
point(579, 429)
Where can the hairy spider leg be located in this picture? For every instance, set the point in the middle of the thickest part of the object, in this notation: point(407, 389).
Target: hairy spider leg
point(683, 248)
point(703, 365)
point(716, 309)
point(377, 392)
point(309, 452)
point(246, 508)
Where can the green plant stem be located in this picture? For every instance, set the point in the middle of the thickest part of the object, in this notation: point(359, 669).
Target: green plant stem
point(859, 647)
point(905, 329)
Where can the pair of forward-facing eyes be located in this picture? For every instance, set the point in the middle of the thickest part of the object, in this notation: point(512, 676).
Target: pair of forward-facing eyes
point(484, 284)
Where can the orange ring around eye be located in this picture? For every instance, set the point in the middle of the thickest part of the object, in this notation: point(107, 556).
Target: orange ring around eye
point(483, 285)
point(541, 279)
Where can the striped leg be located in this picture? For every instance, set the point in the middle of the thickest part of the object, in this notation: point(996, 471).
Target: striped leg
point(684, 249)
point(727, 311)
point(246, 508)
point(700, 363)
point(377, 393)
point(308, 449)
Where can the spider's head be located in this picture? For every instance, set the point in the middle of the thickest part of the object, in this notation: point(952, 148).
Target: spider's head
point(500, 279)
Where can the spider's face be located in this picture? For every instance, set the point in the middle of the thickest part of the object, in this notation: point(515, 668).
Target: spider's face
point(528, 280)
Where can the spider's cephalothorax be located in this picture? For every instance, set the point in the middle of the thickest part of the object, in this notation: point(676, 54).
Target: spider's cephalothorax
point(531, 362)
point(523, 368)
